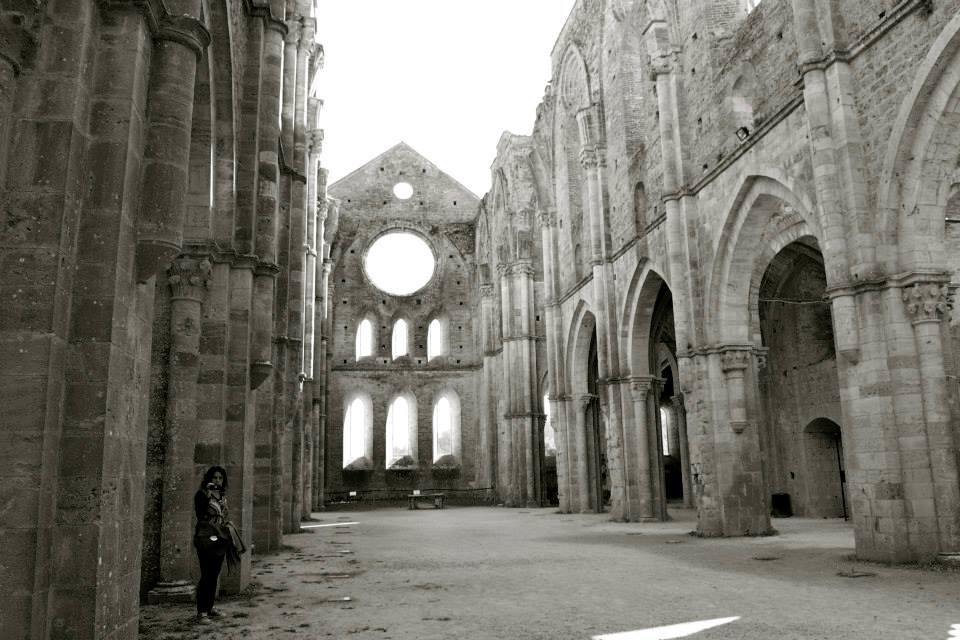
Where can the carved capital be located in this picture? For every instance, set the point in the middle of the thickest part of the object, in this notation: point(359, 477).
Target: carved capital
point(189, 278)
point(586, 399)
point(292, 36)
point(927, 301)
point(735, 360)
point(327, 267)
point(486, 291)
point(641, 385)
point(524, 267)
point(315, 141)
point(185, 30)
point(547, 218)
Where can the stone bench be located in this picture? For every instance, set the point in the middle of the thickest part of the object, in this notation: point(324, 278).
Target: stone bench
point(435, 498)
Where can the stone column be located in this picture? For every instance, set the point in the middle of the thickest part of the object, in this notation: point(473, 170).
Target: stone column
point(646, 504)
point(189, 279)
point(683, 450)
point(488, 418)
point(739, 469)
point(927, 305)
point(179, 42)
point(583, 402)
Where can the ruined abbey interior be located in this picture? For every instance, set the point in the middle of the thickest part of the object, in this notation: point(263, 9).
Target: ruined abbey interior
point(710, 289)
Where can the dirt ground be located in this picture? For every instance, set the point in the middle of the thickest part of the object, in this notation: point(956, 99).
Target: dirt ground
point(492, 573)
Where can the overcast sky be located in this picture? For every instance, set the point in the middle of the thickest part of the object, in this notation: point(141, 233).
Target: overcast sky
point(447, 77)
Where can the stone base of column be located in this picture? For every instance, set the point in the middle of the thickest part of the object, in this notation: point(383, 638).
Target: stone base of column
point(176, 591)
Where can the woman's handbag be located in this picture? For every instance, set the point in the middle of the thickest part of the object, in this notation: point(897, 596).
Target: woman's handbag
point(210, 538)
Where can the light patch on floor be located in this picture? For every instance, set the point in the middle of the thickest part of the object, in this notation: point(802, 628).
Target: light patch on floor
point(319, 526)
point(683, 630)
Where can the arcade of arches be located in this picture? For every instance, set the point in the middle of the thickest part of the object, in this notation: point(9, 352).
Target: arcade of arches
point(717, 274)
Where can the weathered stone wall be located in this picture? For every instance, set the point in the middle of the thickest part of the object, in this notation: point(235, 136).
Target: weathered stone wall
point(440, 211)
point(139, 175)
point(847, 136)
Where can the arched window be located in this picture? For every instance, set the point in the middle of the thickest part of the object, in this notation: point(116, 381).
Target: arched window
point(640, 206)
point(402, 432)
point(665, 430)
point(364, 339)
point(436, 339)
point(446, 429)
point(400, 339)
point(358, 434)
point(549, 432)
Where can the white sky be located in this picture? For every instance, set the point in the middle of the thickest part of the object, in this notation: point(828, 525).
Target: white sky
point(447, 77)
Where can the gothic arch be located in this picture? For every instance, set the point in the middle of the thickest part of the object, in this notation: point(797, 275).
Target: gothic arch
point(637, 316)
point(578, 346)
point(574, 81)
point(765, 217)
point(920, 168)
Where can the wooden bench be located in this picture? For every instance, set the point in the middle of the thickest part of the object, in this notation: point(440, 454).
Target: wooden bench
point(436, 498)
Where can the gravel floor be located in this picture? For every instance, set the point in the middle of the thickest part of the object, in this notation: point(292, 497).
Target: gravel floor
point(492, 573)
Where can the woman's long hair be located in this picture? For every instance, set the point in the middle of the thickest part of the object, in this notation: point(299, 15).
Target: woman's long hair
point(208, 478)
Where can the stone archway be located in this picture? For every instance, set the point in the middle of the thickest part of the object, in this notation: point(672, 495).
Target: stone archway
point(586, 436)
point(799, 386)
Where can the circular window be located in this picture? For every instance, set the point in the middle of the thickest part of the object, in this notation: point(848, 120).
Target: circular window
point(399, 263)
point(403, 190)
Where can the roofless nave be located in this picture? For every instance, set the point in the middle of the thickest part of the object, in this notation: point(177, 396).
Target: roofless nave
point(722, 263)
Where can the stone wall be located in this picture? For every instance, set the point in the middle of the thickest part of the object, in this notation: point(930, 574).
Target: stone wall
point(142, 196)
point(827, 128)
point(441, 212)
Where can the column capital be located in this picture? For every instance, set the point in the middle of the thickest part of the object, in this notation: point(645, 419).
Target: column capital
point(523, 267)
point(927, 301)
point(547, 217)
point(189, 277)
point(735, 357)
point(185, 30)
point(315, 141)
point(641, 384)
point(327, 267)
point(585, 399)
point(293, 32)
point(486, 290)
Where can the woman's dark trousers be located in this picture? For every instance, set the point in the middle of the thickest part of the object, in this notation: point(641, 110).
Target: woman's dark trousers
point(210, 565)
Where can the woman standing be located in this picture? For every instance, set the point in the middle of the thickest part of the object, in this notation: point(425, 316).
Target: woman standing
point(211, 538)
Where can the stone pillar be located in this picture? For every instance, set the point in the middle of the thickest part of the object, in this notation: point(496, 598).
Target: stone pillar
point(583, 402)
point(188, 279)
point(683, 448)
point(927, 305)
point(640, 441)
point(592, 159)
point(488, 414)
point(267, 510)
point(739, 470)
point(178, 44)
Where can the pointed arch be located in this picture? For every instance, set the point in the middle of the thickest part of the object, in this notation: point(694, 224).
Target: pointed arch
point(918, 172)
point(365, 338)
point(447, 442)
point(438, 337)
point(400, 339)
point(766, 215)
point(357, 432)
point(401, 432)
